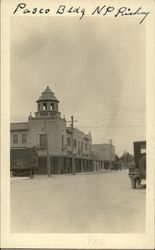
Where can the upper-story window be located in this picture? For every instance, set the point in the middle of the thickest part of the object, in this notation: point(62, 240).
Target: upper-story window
point(44, 106)
point(15, 139)
point(75, 143)
point(62, 141)
point(68, 141)
point(42, 141)
point(86, 146)
point(52, 106)
point(24, 138)
point(82, 146)
point(78, 145)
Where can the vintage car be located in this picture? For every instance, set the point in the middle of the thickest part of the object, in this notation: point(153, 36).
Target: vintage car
point(24, 161)
point(137, 169)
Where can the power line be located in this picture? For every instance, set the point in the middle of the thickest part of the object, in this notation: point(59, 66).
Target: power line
point(103, 118)
point(114, 126)
point(109, 118)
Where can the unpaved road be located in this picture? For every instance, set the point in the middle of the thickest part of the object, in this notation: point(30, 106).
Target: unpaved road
point(88, 203)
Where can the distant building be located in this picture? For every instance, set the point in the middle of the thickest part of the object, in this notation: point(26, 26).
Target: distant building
point(47, 120)
point(104, 151)
point(102, 154)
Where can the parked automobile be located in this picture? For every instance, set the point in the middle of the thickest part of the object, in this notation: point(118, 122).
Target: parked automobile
point(137, 169)
point(24, 161)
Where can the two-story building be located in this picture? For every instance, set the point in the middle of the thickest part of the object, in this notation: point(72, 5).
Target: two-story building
point(48, 130)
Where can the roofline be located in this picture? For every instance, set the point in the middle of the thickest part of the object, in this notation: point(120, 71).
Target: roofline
point(18, 123)
point(101, 144)
point(46, 99)
point(18, 129)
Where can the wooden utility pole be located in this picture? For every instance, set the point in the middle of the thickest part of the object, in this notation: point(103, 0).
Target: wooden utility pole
point(47, 151)
point(72, 144)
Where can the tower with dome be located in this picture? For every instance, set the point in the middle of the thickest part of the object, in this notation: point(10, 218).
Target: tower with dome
point(47, 121)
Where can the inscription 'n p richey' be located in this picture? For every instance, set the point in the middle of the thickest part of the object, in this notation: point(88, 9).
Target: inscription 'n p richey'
point(122, 11)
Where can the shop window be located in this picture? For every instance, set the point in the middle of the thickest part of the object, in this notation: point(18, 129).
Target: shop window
point(15, 139)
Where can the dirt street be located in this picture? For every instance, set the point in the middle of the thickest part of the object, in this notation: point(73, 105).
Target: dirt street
point(84, 203)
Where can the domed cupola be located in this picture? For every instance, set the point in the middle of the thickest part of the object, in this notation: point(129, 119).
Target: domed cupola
point(47, 104)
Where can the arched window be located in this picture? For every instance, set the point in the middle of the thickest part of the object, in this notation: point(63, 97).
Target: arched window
point(44, 106)
point(52, 106)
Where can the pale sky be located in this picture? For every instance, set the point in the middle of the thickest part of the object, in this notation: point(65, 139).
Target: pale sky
point(96, 68)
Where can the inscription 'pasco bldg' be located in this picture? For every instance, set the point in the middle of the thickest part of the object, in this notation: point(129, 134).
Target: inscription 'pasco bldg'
point(48, 121)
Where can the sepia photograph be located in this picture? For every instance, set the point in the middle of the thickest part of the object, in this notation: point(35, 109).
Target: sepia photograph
point(78, 121)
point(78, 126)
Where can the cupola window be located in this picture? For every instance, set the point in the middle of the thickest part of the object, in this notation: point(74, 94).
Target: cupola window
point(52, 106)
point(44, 106)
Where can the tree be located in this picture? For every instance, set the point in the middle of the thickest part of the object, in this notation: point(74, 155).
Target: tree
point(127, 157)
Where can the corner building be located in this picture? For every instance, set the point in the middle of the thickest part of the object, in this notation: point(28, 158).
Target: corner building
point(48, 121)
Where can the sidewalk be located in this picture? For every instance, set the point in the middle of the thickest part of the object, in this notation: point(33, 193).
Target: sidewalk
point(20, 178)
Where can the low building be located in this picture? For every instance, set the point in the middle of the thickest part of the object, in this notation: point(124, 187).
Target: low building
point(47, 131)
point(103, 154)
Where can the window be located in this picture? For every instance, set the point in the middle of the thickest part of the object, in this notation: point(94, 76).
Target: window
point(15, 139)
point(52, 106)
point(42, 142)
point(62, 141)
point(68, 141)
point(78, 145)
point(24, 138)
point(143, 149)
point(85, 146)
point(44, 106)
point(75, 143)
point(82, 146)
